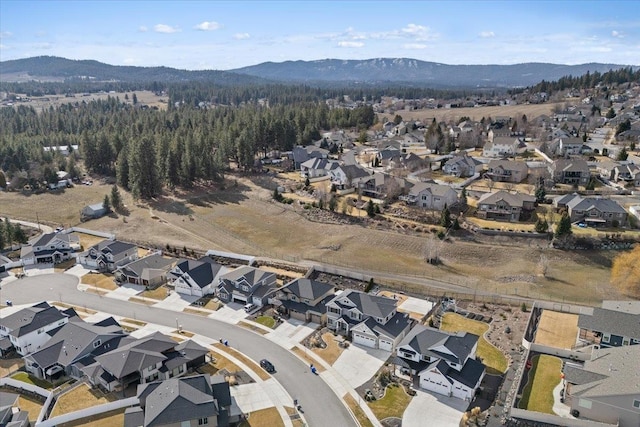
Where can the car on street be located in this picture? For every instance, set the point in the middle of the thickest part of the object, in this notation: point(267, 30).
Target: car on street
point(267, 366)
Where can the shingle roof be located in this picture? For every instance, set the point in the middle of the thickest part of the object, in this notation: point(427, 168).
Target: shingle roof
point(517, 199)
point(307, 289)
point(31, 318)
point(425, 340)
point(469, 374)
point(151, 262)
point(508, 165)
point(435, 189)
point(612, 322)
point(588, 203)
point(251, 274)
point(393, 328)
point(369, 305)
point(571, 165)
point(202, 271)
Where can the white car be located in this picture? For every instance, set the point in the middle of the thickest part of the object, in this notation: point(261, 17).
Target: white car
point(249, 307)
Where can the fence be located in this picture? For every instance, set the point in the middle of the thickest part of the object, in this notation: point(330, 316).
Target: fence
point(554, 419)
point(84, 413)
point(20, 385)
point(92, 232)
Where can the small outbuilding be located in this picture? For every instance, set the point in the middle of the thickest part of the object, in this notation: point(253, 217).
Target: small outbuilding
point(92, 212)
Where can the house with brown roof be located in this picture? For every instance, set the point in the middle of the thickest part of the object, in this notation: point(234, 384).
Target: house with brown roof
point(305, 299)
point(504, 206)
point(570, 171)
point(431, 196)
point(462, 166)
point(507, 171)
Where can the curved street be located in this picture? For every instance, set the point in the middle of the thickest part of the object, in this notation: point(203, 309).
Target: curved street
point(321, 405)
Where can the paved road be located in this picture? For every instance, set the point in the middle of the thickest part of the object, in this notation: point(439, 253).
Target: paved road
point(44, 228)
point(320, 404)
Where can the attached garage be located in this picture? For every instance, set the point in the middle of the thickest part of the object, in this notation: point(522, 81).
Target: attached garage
point(435, 386)
point(385, 344)
point(364, 340)
point(315, 318)
point(461, 392)
point(239, 298)
point(297, 315)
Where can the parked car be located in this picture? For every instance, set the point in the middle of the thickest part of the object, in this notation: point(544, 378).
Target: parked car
point(249, 307)
point(267, 366)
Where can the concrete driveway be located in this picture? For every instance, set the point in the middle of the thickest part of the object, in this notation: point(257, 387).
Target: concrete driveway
point(176, 301)
point(430, 409)
point(357, 365)
point(416, 305)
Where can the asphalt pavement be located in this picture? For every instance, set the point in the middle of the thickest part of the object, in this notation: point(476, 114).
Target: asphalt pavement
point(321, 405)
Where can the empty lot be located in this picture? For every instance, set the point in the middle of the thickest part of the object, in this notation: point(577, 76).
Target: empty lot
point(557, 329)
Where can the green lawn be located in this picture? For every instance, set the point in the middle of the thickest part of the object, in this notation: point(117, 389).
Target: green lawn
point(267, 321)
point(544, 376)
point(30, 379)
point(493, 358)
point(393, 404)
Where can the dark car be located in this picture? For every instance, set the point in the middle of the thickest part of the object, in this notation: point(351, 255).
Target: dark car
point(267, 366)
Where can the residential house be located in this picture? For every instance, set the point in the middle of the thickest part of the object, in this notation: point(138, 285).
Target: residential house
point(504, 206)
point(627, 174)
point(504, 146)
point(608, 327)
point(372, 321)
point(431, 196)
point(93, 212)
point(62, 149)
point(142, 360)
point(605, 387)
point(316, 168)
point(10, 413)
point(507, 171)
point(30, 328)
point(73, 346)
point(381, 185)
point(301, 154)
point(194, 401)
point(462, 166)
point(597, 211)
point(246, 285)
point(387, 155)
point(345, 176)
point(570, 171)
point(444, 363)
point(305, 299)
point(150, 271)
point(498, 131)
point(561, 202)
point(569, 146)
point(108, 255)
point(50, 248)
point(198, 278)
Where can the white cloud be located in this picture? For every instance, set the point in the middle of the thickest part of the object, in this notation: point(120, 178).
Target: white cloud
point(166, 29)
point(414, 46)
point(617, 34)
point(143, 29)
point(419, 32)
point(241, 36)
point(5, 34)
point(208, 26)
point(3, 47)
point(487, 34)
point(350, 44)
point(129, 61)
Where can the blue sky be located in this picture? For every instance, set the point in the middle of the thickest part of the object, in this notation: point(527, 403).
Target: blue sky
point(229, 34)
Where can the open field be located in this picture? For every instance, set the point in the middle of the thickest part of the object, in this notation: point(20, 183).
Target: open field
point(144, 97)
point(544, 376)
point(244, 219)
point(557, 329)
point(445, 114)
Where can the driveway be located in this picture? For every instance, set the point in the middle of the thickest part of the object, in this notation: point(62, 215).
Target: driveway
point(416, 305)
point(433, 410)
point(229, 313)
point(176, 301)
point(292, 332)
point(357, 365)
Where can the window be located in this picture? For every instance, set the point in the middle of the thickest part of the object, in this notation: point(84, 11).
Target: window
point(203, 421)
point(606, 337)
point(181, 369)
point(97, 343)
point(625, 341)
point(636, 404)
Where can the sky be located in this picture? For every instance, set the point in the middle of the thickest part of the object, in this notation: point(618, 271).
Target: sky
point(224, 35)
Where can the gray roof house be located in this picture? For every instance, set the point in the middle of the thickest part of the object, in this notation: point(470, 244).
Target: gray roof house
point(504, 206)
point(92, 211)
point(609, 328)
point(30, 328)
point(246, 285)
point(629, 174)
point(431, 196)
point(597, 211)
point(605, 388)
point(347, 176)
point(305, 299)
point(50, 248)
point(372, 321)
point(10, 413)
point(198, 400)
point(301, 154)
point(507, 171)
point(381, 185)
point(444, 363)
point(199, 278)
point(149, 271)
point(316, 168)
point(76, 340)
point(462, 166)
point(108, 255)
point(570, 171)
point(503, 146)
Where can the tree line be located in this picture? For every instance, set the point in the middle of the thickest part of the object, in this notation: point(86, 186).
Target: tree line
point(586, 81)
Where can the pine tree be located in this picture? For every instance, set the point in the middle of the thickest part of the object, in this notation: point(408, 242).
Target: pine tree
point(463, 197)
point(564, 226)
point(540, 194)
point(19, 235)
point(143, 174)
point(445, 217)
point(122, 169)
point(106, 204)
point(541, 226)
point(622, 154)
point(116, 198)
point(371, 210)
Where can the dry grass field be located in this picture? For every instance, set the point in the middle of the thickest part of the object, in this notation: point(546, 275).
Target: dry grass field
point(445, 114)
point(144, 97)
point(244, 219)
point(557, 329)
point(269, 417)
point(99, 280)
point(108, 419)
point(81, 397)
point(332, 352)
point(31, 406)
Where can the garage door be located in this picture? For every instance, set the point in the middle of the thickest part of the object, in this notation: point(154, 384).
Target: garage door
point(386, 345)
point(459, 392)
point(242, 300)
point(364, 340)
point(434, 386)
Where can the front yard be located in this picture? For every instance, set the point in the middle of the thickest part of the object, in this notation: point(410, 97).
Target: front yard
point(393, 404)
point(543, 377)
point(269, 417)
point(332, 351)
point(99, 280)
point(492, 358)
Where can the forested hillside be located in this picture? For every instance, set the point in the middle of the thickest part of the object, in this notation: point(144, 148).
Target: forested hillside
point(147, 149)
point(587, 80)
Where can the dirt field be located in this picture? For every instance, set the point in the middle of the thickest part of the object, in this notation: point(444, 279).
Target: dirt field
point(243, 218)
point(557, 329)
point(445, 114)
point(144, 97)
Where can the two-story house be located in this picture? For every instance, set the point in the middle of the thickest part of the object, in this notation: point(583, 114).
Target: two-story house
point(507, 171)
point(628, 174)
point(370, 320)
point(30, 328)
point(444, 363)
point(432, 196)
point(504, 146)
point(108, 255)
point(346, 176)
point(568, 146)
point(570, 171)
point(246, 285)
point(150, 271)
point(200, 400)
point(198, 278)
point(300, 154)
point(605, 387)
point(305, 299)
point(504, 206)
point(462, 166)
point(597, 211)
point(50, 248)
point(316, 168)
point(381, 185)
point(608, 327)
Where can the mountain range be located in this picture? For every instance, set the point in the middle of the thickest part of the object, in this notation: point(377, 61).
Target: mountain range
point(394, 71)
